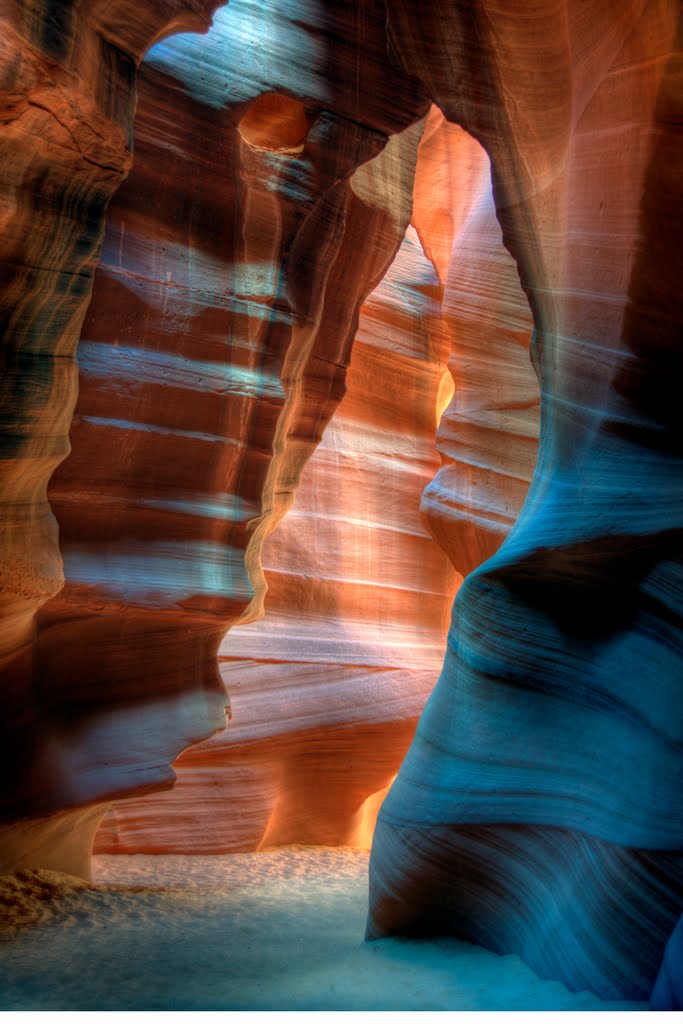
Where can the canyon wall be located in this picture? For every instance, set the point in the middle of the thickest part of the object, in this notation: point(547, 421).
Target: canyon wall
point(488, 435)
point(326, 689)
point(538, 810)
point(236, 258)
point(67, 100)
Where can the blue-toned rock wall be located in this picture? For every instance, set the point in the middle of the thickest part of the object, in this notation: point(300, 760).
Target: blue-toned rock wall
point(539, 809)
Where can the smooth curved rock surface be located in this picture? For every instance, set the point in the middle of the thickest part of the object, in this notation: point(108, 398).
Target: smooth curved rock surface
point(668, 991)
point(357, 606)
point(488, 434)
point(548, 760)
point(542, 794)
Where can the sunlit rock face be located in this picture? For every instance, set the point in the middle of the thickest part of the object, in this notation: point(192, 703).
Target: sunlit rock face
point(236, 259)
point(326, 689)
point(67, 81)
point(538, 810)
point(488, 435)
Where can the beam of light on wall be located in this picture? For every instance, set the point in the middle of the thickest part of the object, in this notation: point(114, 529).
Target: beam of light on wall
point(444, 395)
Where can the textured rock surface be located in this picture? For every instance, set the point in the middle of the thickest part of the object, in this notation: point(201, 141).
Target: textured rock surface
point(236, 258)
point(539, 808)
point(353, 639)
point(326, 689)
point(67, 77)
point(488, 436)
point(62, 842)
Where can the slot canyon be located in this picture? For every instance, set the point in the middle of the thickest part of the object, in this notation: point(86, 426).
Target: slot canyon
point(341, 504)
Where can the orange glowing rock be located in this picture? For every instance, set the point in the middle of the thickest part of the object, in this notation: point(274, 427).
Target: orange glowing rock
point(488, 432)
point(212, 356)
point(327, 687)
point(275, 123)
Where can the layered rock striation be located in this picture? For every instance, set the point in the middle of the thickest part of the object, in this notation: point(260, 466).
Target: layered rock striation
point(67, 100)
point(326, 689)
point(236, 259)
point(538, 810)
point(488, 434)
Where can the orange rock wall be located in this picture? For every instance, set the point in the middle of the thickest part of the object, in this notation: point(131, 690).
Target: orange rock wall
point(326, 689)
point(236, 258)
point(267, 204)
point(67, 100)
point(488, 436)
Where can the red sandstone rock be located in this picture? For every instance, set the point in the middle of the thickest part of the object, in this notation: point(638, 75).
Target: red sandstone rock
point(538, 810)
point(358, 598)
point(488, 435)
point(212, 356)
point(326, 689)
point(67, 79)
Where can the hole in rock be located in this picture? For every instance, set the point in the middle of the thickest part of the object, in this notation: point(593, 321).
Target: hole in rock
point(274, 122)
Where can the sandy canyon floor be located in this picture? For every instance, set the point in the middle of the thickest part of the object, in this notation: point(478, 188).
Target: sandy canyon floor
point(278, 930)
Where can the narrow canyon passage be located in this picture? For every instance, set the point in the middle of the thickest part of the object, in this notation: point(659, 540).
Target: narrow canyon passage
point(326, 689)
point(340, 505)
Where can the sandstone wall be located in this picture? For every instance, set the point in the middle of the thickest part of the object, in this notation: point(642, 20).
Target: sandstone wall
point(67, 99)
point(546, 768)
point(538, 810)
point(236, 258)
point(326, 689)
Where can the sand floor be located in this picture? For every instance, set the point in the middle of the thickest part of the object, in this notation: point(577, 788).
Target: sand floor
point(279, 930)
